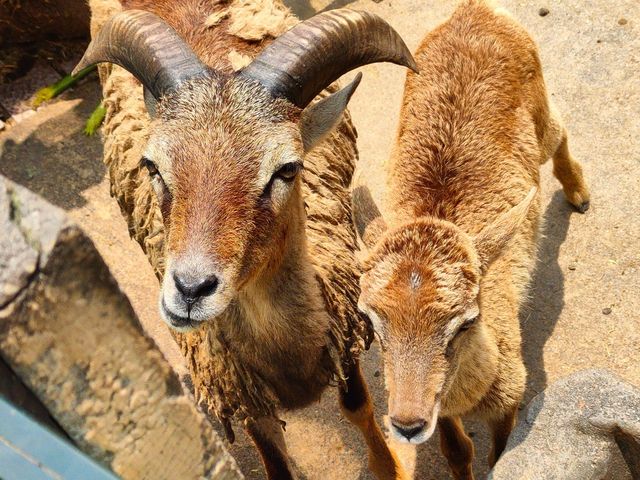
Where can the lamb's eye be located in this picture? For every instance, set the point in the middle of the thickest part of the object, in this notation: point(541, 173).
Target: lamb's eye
point(150, 166)
point(288, 171)
point(468, 324)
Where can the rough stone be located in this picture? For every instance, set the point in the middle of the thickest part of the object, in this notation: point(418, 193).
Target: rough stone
point(72, 336)
point(576, 430)
point(18, 259)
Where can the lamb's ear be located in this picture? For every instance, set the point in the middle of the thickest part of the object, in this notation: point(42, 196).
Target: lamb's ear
point(319, 119)
point(366, 216)
point(493, 238)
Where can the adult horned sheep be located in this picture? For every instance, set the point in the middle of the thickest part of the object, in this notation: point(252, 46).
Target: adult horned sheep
point(259, 281)
point(446, 273)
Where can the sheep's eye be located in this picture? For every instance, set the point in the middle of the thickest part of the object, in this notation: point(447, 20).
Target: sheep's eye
point(468, 324)
point(150, 166)
point(449, 351)
point(288, 171)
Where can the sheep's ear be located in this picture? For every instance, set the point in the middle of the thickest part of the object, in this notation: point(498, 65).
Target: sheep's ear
point(493, 238)
point(150, 102)
point(319, 119)
point(366, 216)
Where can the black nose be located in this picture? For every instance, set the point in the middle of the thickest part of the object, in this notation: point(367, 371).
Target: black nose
point(194, 289)
point(408, 429)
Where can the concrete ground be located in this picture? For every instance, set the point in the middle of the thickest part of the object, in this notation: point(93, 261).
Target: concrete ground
point(584, 303)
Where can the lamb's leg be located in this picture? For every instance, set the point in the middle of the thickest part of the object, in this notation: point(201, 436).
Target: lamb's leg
point(456, 446)
point(500, 431)
point(267, 435)
point(357, 407)
point(565, 168)
point(569, 172)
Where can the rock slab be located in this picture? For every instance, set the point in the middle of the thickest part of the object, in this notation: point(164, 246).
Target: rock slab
point(576, 430)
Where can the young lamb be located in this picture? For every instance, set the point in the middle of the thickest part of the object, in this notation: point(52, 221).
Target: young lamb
point(444, 276)
point(255, 252)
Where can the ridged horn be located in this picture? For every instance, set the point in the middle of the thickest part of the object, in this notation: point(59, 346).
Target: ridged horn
point(147, 47)
point(305, 60)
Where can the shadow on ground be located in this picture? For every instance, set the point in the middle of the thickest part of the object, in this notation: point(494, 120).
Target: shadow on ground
point(33, 160)
point(538, 318)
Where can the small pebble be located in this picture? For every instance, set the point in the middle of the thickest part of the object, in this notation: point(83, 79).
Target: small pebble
point(598, 41)
point(543, 12)
point(606, 311)
point(376, 373)
point(572, 267)
point(623, 21)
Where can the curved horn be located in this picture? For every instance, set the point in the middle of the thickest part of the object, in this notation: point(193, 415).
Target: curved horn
point(147, 47)
point(302, 62)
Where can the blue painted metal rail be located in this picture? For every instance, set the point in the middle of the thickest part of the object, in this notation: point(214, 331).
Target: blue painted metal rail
point(29, 451)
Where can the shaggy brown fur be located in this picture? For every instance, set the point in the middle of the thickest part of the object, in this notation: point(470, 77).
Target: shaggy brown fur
point(294, 327)
point(443, 284)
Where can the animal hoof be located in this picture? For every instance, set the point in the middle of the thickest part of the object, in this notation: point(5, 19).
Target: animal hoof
point(583, 207)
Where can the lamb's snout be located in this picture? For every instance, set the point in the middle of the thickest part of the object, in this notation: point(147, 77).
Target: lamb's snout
point(409, 429)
